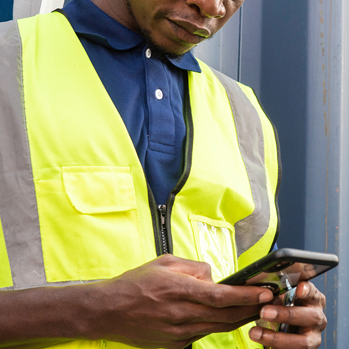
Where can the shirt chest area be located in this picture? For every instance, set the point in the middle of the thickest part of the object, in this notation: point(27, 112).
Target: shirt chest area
point(149, 95)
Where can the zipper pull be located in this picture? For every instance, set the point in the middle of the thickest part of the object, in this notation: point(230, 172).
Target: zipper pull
point(163, 229)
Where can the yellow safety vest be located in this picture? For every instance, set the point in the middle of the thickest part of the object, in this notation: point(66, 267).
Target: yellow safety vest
point(74, 202)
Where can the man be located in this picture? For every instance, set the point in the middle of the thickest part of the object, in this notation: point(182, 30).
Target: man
point(94, 185)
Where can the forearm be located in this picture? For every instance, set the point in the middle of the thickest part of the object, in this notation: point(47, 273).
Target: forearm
point(43, 315)
point(166, 303)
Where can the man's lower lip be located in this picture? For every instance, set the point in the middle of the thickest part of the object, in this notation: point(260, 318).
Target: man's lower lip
point(183, 35)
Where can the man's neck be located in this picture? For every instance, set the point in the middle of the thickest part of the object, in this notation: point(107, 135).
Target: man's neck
point(120, 11)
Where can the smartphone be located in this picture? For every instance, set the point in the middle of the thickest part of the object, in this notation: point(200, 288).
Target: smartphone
point(283, 269)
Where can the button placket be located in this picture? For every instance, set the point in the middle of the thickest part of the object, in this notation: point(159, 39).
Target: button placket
point(161, 117)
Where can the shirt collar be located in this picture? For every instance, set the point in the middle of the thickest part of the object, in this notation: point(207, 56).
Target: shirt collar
point(91, 22)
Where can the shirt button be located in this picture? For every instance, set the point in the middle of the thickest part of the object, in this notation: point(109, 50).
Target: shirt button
point(148, 53)
point(159, 94)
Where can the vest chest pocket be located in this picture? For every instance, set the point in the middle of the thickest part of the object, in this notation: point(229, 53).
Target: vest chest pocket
point(215, 245)
point(94, 191)
point(89, 223)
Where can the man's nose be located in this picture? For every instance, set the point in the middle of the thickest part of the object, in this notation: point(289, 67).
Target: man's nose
point(209, 8)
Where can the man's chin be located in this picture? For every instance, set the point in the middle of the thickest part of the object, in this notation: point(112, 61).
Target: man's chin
point(162, 53)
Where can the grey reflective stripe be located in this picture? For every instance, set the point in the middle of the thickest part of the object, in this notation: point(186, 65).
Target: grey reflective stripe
point(250, 137)
point(52, 284)
point(25, 8)
point(18, 207)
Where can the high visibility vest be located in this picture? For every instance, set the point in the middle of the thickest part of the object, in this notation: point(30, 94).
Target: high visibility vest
point(74, 202)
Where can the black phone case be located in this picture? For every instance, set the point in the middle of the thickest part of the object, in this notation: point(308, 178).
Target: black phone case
point(278, 260)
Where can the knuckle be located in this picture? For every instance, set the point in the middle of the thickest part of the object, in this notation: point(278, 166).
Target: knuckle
point(323, 323)
point(176, 332)
point(322, 299)
point(246, 297)
point(289, 315)
point(310, 342)
point(176, 317)
point(167, 259)
point(180, 334)
point(318, 297)
point(317, 342)
point(205, 268)
point(319, 317)
point(183, 334)
point(273, 340)
point(216, 298)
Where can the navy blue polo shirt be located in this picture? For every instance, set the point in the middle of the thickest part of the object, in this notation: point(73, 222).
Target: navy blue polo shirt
point(147, 92)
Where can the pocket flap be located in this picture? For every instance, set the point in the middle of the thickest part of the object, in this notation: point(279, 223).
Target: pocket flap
point(99, 189)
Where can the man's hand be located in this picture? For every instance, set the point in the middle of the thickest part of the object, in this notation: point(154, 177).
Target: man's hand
point(171, 302)
point(309, 316)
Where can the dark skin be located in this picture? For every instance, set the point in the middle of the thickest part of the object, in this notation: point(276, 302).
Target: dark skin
point(176, 26)
point(169, 302)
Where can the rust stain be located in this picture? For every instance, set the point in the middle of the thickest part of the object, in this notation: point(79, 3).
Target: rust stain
point(322, 35)
point(322, 51)
point(337, 190)
point(323, 67)
point(321, 16)
point(325, 92)
point(325, 116)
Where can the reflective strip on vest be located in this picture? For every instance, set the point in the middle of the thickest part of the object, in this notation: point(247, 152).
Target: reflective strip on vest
point(18, 207)
point(250, 135)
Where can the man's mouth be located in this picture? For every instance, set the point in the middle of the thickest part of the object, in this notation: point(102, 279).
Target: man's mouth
point(193, 28)
point(189, 32)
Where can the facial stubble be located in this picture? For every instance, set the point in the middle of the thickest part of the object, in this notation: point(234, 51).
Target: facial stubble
point(158, 52)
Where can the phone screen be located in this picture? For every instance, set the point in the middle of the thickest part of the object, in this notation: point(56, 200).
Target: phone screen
point(285, 275)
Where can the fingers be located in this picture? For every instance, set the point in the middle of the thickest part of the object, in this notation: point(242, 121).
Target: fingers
point(200, 288)
point(277, 340)
point(191, 332)
point(310, 314)
point(194, 313)
point(308, 294)
point(297, 316)
point(309, 317)
point(220, 296)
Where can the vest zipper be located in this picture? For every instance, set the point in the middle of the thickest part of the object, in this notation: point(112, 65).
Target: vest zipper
point(163, 229)
point(161, 214)
point(188, 154)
